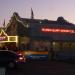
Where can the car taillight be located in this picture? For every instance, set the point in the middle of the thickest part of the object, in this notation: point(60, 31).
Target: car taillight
point(20, 54)
point(21, 59)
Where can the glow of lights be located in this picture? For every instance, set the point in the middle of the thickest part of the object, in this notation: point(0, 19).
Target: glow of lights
point(16, 39)
point(3, 37)
point(58, 30)
point(21, 58)
point(33, 52)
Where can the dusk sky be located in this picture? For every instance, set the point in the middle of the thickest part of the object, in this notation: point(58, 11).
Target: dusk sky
point(43, 9)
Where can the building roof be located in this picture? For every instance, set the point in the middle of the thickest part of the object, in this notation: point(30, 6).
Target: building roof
point(24, 21)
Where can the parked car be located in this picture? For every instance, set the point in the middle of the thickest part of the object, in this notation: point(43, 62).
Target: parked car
point(10, 58)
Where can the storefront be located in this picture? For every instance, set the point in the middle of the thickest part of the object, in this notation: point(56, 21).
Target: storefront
point(45, 37)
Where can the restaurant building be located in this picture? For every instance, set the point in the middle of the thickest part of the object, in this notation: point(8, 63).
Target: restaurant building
point(42, 35)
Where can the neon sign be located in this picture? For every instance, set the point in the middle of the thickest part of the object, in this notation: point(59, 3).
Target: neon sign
point(5, 38)
point(58, 30)
point(2, 38)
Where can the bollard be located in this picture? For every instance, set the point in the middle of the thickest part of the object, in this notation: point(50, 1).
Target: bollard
point(2, 71)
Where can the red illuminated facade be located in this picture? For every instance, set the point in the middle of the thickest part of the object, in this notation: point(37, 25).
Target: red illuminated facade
point(58, 30)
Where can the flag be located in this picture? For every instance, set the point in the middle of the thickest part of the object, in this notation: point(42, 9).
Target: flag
point(32, 14)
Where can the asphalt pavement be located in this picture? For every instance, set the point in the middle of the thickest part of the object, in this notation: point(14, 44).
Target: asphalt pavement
point(43, 68)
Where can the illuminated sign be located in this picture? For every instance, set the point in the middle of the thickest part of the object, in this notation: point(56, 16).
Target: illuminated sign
point(2, 38)
point(3, 35)
point(58, 30)
point(5, 38)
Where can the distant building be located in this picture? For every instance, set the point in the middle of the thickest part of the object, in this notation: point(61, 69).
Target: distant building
point(41, 35)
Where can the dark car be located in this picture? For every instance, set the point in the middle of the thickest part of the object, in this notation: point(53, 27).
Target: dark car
point(10, 59)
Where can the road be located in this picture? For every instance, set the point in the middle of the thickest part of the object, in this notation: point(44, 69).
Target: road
point(44, 68)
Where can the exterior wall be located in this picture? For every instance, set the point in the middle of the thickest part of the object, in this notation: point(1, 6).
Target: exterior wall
point(57, 41)
point(22, 30)
point(12, 27)
point(46, 45)
point(24, 43)
point(37, 33)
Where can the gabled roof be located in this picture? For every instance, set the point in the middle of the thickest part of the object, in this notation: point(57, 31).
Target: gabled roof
point(23, 21)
